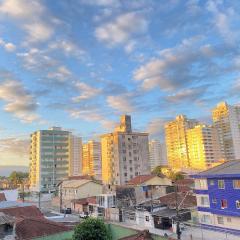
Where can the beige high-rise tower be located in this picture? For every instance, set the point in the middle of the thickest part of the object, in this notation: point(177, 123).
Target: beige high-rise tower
point(203, 147)
point(226, 119)
point(125, 154)
point(92, 163)
point(176, 141)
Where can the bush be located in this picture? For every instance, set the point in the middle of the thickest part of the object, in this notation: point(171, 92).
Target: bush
point(91, 229)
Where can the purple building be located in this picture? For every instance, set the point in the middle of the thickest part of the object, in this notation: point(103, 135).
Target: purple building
point(218, 197)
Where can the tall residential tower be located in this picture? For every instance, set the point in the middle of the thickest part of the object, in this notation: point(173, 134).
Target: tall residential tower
point(226, 119)
point(125, 154)
point(176, 141)
point(92, 163)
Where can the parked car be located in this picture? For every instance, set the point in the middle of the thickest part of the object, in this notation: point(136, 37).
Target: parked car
point(83, 215)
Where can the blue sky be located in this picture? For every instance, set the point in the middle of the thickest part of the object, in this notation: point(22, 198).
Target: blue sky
point(80, 64)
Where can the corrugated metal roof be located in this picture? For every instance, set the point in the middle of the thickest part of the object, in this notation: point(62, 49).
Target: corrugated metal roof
point(76, 183)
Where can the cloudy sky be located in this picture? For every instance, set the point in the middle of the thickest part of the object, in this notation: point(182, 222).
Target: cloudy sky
point(79, 64)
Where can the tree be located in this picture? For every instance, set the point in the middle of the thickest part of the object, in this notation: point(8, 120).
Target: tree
point(17, 178)
point(91, 229)
point(157, 170)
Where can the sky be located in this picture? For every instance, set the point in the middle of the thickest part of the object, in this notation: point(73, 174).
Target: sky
point(80, 64)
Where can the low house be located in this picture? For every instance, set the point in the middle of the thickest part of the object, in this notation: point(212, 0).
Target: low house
point(30, 223)
point(218, 197)
point(6, 225)
point(83, 205)
point(143, 188)
point(78, 189)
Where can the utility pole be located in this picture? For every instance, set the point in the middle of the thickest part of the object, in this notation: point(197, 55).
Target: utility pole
point(177, 213)
point(60, 196)
point(39, 199)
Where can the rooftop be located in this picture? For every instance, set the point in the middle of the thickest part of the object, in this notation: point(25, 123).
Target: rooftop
point(5, 219)
point(76, 183)
point(227, 168)
point(29, 227)
point(144, 235)
point(138, 180)
point(26, 211)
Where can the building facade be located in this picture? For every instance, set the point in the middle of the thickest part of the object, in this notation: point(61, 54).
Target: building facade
point(50, 158)
point(75, 164)
point(157, 154)
point(226, 119)
point(203, 147)
point(176, 141)
point(125, 154)
point(92, 160)
point(218, 197)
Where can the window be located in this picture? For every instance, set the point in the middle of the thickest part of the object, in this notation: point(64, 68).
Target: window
point(214, 200)
point(204, 200)
point(221, 184)
point(223, 203)
point(236, 184)
point(220, 220)
point(125, 174)
point(229, 219)
point(147, 218)
point(211, 182)
point(238, 204)
point(205, 219)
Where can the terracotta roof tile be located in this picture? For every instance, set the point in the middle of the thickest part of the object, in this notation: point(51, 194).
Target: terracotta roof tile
point(85, 201)
point(2, 197)
point(140, 179)
point(29, 228)
point(188, 200)
point(28, 211)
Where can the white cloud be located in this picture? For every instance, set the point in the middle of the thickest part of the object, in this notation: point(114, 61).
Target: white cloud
point(36, 59)
point(181, 65)
point(121, 103)
point(21, 9)
point(18, 100)
point(223, 21)
point(38, 31)
point(86, 92)
point(32, 16)
point(120, 31)
point(68, 48)
point(62, 74)
point(10, 47)
point(155, 127)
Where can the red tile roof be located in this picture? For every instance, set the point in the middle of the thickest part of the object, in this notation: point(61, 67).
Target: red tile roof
point(140, 179)
point(144, 235)
point(2, 197)
point(28, 228)
point(28, 211)
point(185, 185)
point(187, 200)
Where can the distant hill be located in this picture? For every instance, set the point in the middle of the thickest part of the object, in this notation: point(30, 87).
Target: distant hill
point(6, 170)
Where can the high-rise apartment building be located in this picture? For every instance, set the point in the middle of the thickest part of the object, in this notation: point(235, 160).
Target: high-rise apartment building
point(125, 154)
point(203, 147)
point(53, 157)
point(176, 141)
point(226, 119)
point(92, 163)
point(157, 154)
point(75, 162)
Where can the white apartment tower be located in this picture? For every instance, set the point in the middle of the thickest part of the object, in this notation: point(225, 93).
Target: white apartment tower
point(226, 120)
point(125, 154)
point(53, 157)
point(157, 154)
point(75, 163)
